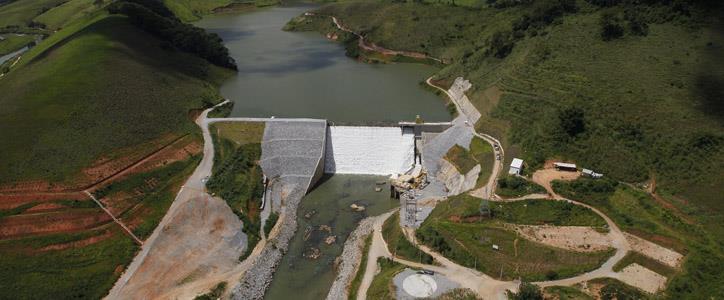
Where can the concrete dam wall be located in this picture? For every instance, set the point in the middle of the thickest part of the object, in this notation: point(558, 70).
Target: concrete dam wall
point(369, 150)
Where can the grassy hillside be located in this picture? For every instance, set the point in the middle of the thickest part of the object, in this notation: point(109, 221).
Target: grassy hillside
point(194, 10)
point(21, 13)
point(649, 102)
point(59, 16)
point(630, 90)
point(12, 42)
point(67, 112)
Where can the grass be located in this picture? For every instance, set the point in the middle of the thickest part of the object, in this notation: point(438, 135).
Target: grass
point(236, 176)
point(483, 154)
point(566, 293)
point(57, 17)
point(270, 222)
point(155, 198)
point(222, 111)
point(460, 158)
point(398, 243)
point(216, 292)
point(465, 160)
point(194, 10)
point(615, 289)
point(459, 294)
point(632, 210)
point(650, 103)
point(357, 281)
point(381, 287)
point(646, 262)
point(13, 42)
point(60, 108)
point(513, 186)
point(546, 212)
point(19, 13)
point(87, 272)
point(239, 133)
point(455, 229)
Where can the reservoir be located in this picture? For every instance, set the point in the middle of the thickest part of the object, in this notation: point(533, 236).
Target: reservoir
point(303, 74)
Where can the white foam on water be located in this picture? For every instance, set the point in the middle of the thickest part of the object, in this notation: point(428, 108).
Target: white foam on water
point(369, 150)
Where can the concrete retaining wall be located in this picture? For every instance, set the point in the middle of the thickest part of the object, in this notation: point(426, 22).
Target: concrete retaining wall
point(369, 150)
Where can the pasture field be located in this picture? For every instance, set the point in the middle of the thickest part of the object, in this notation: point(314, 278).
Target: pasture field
point(20, 13)
point(58, 16)
point(456, 230)
point(30, 268)
point(398, 243)
point(13, 42)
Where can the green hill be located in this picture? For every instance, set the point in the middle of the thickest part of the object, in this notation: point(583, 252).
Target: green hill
point(108, 86)
point(631, 89)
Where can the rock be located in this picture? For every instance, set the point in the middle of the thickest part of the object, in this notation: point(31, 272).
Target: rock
point(330, 239)
point(356, 207)
point(349, 261)
point(312, 253)
point(325, 228)
point(310, 214)
point(378, 189)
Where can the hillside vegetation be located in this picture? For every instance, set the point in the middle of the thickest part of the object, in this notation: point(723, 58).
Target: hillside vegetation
point(63, 110)
point(631, 89)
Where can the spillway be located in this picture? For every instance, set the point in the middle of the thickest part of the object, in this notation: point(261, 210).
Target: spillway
point(369, 150)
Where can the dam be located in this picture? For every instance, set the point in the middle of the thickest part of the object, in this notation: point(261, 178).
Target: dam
point(369, 150)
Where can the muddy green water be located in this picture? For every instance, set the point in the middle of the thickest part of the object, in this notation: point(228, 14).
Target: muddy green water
point(300, 277)
point(302, 74)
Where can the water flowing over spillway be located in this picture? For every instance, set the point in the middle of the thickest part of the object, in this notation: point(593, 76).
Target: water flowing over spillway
point(369, 150)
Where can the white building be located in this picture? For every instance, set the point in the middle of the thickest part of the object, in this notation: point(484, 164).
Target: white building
point(565, 166)
point(516, 166)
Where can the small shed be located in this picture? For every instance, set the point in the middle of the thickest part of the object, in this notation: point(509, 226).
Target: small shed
point(565, 166)
point(516, 166)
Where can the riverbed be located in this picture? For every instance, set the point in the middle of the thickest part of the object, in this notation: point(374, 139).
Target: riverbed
point(323, 213)
point(303, 74)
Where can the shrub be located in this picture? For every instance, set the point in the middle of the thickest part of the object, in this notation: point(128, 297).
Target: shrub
point(527, 291)
point(611, 28)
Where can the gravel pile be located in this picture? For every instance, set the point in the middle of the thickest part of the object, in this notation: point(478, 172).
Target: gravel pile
point(291, 152)
point(349, 261)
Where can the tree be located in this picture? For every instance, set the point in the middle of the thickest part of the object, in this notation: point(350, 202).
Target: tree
point(527, 291)
point(610, 27)
point(572, 121)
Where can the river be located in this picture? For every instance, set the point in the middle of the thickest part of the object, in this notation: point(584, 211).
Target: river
point(302, 74)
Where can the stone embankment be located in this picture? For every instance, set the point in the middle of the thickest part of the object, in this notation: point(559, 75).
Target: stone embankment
point(293, 169)
point(349, 261)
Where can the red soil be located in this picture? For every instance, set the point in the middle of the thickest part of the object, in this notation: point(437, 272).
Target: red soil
point(9, 201)
point(81, 243)
point(71, 220)
point(44, 207)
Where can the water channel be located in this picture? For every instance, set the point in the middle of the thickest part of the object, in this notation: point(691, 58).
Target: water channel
point(292, 74)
